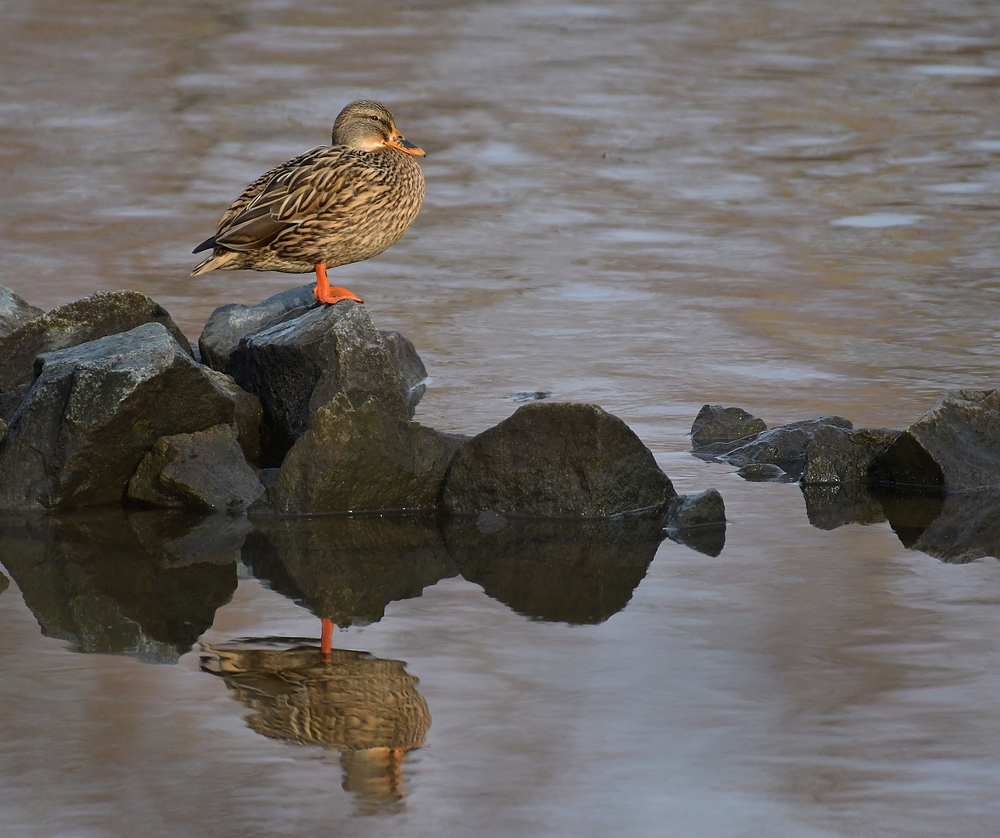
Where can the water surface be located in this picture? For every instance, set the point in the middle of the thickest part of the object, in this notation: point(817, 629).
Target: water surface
point(792, 207)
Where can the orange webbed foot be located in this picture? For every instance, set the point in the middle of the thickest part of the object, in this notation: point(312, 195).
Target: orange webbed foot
point(331, 294)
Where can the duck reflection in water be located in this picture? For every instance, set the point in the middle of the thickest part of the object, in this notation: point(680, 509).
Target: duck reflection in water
point(366, 708)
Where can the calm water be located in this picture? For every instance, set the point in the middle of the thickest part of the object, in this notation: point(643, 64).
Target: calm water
point(786, 206)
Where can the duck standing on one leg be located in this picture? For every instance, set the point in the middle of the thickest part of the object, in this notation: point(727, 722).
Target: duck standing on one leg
point(330, 206)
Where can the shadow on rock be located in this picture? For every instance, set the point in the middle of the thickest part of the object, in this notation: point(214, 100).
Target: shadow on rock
point(571, 571)
point(366, 708)
point(114, 584)
point(347, 569)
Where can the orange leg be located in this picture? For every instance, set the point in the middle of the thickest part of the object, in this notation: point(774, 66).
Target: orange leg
point(330, 294)
point(326, 640)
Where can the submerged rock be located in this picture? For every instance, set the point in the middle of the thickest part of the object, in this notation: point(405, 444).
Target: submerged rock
point(359, 458)
point(954, 446)
point(698, 521)
point(15, 311)
point(102, 313)
point(93, 412)
point(715, 423)
point(204, 470)
point(297, 366)
point(556, 459)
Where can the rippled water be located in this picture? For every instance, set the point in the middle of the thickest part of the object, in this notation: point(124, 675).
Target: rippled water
point(788, 206)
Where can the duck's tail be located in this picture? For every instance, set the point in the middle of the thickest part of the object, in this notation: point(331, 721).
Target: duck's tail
point(219, 259)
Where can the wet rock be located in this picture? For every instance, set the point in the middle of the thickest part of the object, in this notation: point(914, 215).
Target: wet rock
point(102, 313)
point(4, 583)
point(698, 521)
point(556, 459)
point(14, 311)
point(560, 570)
point(783, 446)
point(764, 473)
point(297, 366)
point(360, 458)
point(706, 509)
point(88, 580)
point(93, 412)
point(409, 369)
point(953, 446)
point(228, 324)
point(715, 423)
point(347, 568)
point(837, 455)
point(204, 470)
point(247, 417)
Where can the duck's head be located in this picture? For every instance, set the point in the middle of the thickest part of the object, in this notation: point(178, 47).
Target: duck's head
point(368, 126)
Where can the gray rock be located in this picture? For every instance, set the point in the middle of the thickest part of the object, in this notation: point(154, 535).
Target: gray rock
point(556, 459)
point(764, 473)
point(248, 414)
point(4, 583)
point(715, 423)
point(361, 459)
point(835, 455)
point(409, 369)
point(14, 311)
point(954, 445)
point(706, 509)
point(205, 470)
point(228, 324)
point(297, 366)
point(783, 446)
point(102, 313)
point(93, 412)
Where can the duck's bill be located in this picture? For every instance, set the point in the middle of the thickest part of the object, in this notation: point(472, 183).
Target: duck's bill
point(405, 145)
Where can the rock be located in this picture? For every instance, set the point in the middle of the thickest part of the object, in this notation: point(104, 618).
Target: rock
point(836, 455)
point(247, 417)
point(556, 459)
point(102, 313)
point(764, 473)
point(204, 470)
point(299, 365)
point(783, 446)
point(4, 583)
point(715, 423)
point(14, 311)
point(697, 521)
point(577, 571)
point(348, 568)
point(706, 509)
point(409, 369)
point(359, 458)
point(228, 324)
point(93, 412)
point(954, 446)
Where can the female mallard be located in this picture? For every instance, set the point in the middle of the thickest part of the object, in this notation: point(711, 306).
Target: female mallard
point(330, 206)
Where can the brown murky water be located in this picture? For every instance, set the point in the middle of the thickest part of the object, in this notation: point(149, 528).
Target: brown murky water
point(788, 206)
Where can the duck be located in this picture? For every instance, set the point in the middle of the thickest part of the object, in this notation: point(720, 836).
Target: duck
point(330, 206)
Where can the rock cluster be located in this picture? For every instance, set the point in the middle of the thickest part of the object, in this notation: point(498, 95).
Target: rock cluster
point(287, 408)
point(952, 447)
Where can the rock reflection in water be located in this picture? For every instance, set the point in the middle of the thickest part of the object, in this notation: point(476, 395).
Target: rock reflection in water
point(112, 583)
point(956, 528)
point(364, 707)
point(347, 569)
point(557, 570)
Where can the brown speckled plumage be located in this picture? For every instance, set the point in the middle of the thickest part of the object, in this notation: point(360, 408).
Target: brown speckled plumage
point(330, 206)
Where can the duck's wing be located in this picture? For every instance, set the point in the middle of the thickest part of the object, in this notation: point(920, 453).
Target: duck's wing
point(325, 182)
